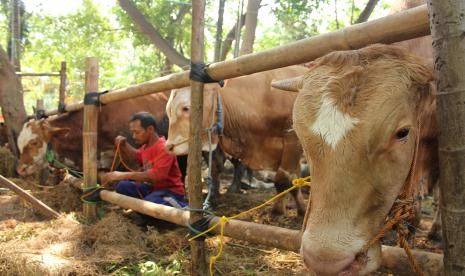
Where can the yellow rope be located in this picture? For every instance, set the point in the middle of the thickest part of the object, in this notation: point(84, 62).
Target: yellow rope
point(296, 183)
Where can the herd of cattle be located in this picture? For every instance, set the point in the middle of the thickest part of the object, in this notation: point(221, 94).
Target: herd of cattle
point(364, 119)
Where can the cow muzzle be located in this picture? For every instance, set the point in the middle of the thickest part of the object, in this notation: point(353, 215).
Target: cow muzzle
point(326, 256)
point(177, 146)
point(22, 170)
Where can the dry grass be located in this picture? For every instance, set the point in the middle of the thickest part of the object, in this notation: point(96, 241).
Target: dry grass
point(31, 245)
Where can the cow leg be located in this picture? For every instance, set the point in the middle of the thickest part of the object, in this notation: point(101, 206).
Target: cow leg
point(239, 170)
point(289, 169)
point(182, 162)
point(282, 182)
point(436, 229)
point(218, 159)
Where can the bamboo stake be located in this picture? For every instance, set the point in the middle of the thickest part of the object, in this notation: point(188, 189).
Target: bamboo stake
point(194, 160)
point(63, 79)
point(37, 204)
point(397, 27)
point(394, 258)
point(89, 135)
point(39, 109)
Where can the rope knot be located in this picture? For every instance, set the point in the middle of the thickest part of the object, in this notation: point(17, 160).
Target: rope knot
point(301, 182)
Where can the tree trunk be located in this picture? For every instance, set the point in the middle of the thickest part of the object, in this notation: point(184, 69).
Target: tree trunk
point(14, 45)
point(367, 11)
point(230, 37)
point(250, 26)
point(11, 101)
point(146, 28)
point(447, 26)
point(219, 30)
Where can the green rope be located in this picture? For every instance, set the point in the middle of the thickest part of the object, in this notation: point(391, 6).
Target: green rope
point(50, 155)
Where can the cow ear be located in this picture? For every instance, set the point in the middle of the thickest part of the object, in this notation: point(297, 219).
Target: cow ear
point(59, 132)
point(293, 85)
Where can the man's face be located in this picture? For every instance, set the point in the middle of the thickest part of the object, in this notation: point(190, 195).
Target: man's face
point(139, 134)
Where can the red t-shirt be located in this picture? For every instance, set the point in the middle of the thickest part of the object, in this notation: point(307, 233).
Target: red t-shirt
point(164, 166)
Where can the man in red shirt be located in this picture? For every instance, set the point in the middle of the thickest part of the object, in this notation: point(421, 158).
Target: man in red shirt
point(159, 179)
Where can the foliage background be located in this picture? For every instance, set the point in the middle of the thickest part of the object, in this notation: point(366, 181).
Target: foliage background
point(102, 29)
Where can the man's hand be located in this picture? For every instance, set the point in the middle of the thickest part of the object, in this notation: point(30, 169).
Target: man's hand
point(111, 176)
point(120, 140)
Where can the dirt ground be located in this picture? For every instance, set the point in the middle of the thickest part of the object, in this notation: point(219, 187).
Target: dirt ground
point(31, 244)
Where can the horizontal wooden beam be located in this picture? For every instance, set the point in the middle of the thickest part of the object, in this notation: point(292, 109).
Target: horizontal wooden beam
point(397, 27)
point(21, 74)
point(394, 258)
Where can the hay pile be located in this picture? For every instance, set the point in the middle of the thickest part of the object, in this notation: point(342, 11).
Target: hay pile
point(67, 247)
point(7, 162)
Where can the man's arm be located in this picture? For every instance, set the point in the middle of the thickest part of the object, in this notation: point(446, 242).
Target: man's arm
point(145, 176)
point(128, 151)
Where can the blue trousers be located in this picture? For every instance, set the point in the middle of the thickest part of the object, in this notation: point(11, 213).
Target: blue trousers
point(144, 191)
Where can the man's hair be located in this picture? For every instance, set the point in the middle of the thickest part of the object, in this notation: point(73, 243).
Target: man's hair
point(146, 119)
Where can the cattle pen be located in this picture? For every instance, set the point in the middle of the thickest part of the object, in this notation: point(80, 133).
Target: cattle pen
point(405, 25)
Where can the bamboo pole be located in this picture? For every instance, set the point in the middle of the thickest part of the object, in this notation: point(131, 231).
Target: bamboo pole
point(89, 134)
point(397, 27)
point(63, 80)
point(21, 74)
point(394, 258)
point(40, 111)
point(194, 159)
point(37, 204)
point(447, 27)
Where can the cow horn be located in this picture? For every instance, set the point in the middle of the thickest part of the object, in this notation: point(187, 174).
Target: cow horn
point(293, 84)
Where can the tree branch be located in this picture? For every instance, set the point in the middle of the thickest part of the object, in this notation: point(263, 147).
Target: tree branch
point(230, 37)
point(367, 11)
point(146, 28)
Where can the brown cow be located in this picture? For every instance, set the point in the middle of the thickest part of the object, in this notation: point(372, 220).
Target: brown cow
point(257, 125)
point(358, 115)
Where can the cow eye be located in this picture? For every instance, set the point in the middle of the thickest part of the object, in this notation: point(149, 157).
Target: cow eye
point(34, 142)
point(402, 134)
point(185, 109)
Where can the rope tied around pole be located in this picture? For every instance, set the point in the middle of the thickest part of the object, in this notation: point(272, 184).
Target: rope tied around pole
point(296, 183)
point(199, 74)
point(91, 195)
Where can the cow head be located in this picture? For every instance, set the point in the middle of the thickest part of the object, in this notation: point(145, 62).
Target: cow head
point(32, 144)
point(178, 110)
point(356, 116)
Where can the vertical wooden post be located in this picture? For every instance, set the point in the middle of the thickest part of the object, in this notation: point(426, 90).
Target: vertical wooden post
point(89, 134)
point(40, 109)
point(447, 28)
point(63, 79)
point(194, 160)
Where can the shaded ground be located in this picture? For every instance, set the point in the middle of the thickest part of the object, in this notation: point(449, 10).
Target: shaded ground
point(30, 244)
